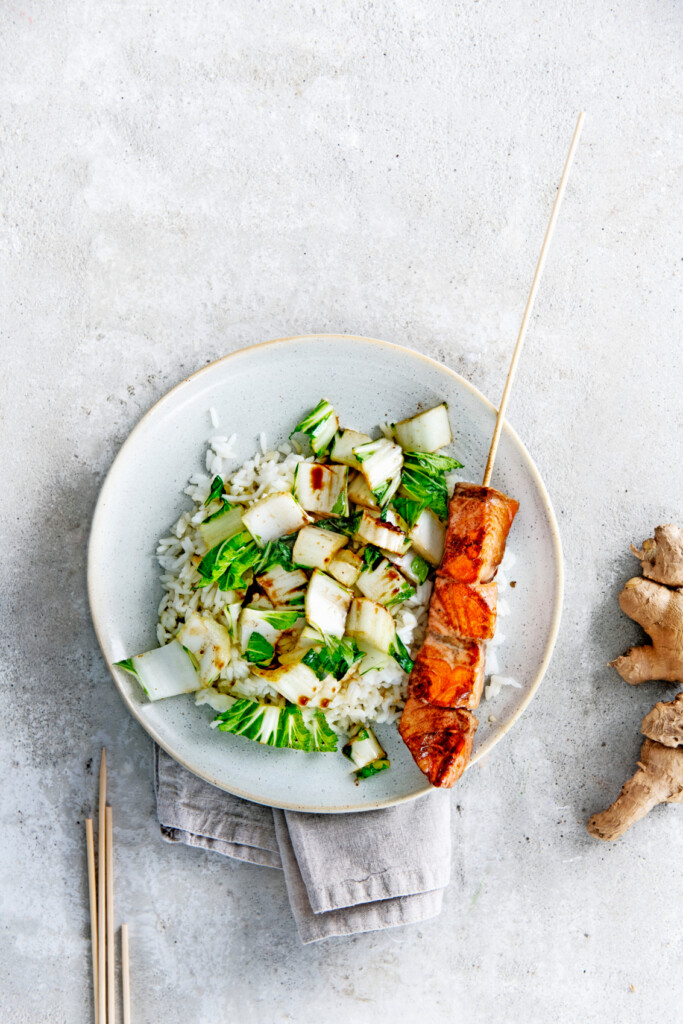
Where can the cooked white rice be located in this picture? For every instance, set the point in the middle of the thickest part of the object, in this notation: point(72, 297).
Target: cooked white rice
point(378, 695)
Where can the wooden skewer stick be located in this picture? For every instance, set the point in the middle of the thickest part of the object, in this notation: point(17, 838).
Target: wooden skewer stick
point(530, 301)
point(125, 973)
point(111, 949)
point(92, 889)
point(101, 888)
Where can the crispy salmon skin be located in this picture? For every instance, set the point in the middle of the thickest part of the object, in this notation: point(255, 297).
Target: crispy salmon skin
point(463, 609)
point(440, 740)
point(479, 520)
point(449, 674)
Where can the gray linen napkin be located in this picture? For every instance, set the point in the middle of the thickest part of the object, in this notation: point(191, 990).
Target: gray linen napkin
point(345, 873)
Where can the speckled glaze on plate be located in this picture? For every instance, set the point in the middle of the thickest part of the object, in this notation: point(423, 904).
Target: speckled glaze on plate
point(268, 387)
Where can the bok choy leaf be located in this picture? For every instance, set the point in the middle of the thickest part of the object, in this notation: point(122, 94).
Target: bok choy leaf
point(323, 738)
point(423, 481)
point(320, 424)
point(164, 672)
point(335, 658)
point(401, 654)
point(259, 650)
point(380, 765)
point(215, 491)
point(266, 723)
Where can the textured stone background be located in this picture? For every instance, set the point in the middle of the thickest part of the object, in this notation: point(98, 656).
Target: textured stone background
point(183, 179)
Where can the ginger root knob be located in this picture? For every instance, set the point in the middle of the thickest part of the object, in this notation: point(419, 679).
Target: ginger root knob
point(659, 779)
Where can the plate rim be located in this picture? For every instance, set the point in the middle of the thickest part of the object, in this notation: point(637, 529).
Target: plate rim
point(558, 595)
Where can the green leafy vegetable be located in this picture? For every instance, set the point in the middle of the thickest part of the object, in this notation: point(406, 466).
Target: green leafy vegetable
point(420, 568)
point(341, 505)
point(279, 619)
point(371, 556)
point(215, 491)
point(429, 490)
point(258, 649)
point(359, 735)
point(323, 738)
point(320, 424)
point(216, 561)
point(335, 658)
point(400, 654)
point(344, 524)
point(128, 666)
point(403, 594)
point(227, 562)
point(366, 753)
point(423, 483)
point(433, 463)
point(379, 765)
point(278, 726)
point(409, 509)
point(292, 731)
point(165, 671)
point(276, 552)
point(385, 492)
point(222, 511)
point(270, 724)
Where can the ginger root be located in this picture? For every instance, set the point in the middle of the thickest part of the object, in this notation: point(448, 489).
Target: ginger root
point(659, 611)
point(662, 557)
point(665, 722)
point(657, 606)
point(659, 779)
point(655, 603)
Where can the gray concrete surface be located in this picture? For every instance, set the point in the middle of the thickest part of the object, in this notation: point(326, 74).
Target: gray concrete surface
point(180, 180)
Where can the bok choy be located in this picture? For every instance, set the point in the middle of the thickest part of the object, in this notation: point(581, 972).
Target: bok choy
point(327, 604)
point(384, 584)
point(380, 461)
point(164, 672)
point(344, 443)
point(269, 724)
point(274, 517)
point(366, 753)
point(283, 586)
point(260, 630)
point(322, 489)
point(429, 537)
point(320, 424)
point(221, 525)
point(382, 534)
point(208, 642)
point(315, 548)
point(425, 432)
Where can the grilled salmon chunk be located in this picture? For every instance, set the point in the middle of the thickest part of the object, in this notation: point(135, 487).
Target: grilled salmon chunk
point(479, 520)
point(463, 609)
point(440, 739)
point(448, 674)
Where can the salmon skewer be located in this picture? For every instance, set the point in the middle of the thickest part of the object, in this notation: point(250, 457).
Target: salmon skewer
point(440, 739)
point(463, 609)
point(437, 724)
point(448, 673)
point(479, 520)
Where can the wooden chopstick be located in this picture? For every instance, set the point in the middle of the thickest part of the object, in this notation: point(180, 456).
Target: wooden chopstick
point(530, 301)
point(92, 890)
point(125, 973)
point(101, 889)
point(111, 949)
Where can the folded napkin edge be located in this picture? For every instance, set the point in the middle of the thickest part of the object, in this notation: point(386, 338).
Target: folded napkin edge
point(388, 884)
point(392, 913)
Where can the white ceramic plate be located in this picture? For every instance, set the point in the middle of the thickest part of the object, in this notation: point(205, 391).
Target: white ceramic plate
point(268, 387)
